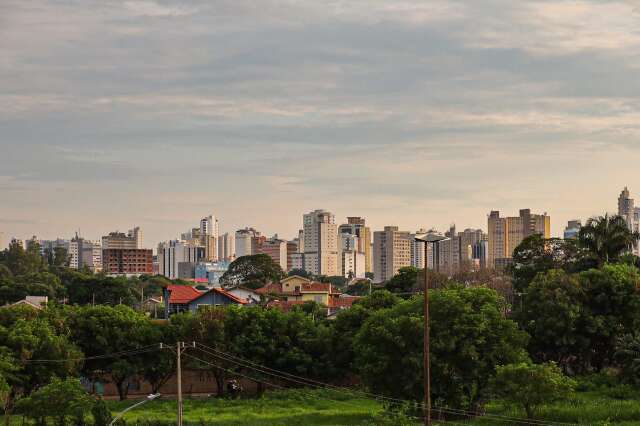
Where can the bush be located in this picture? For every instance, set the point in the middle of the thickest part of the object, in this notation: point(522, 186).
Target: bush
point(531, 385)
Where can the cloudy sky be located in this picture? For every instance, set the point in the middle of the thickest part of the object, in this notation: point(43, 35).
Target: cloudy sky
point(413, 113)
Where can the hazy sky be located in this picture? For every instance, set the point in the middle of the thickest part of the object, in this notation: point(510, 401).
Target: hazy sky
point(412, 113)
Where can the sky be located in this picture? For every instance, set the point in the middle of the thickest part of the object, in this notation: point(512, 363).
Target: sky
point(409, 113)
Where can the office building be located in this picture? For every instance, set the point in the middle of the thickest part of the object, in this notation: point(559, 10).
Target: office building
point(391, 251)
point(117, 240)
point(351, 260)
point(572, 229)
point(506, 233)
point(357, 226)
point(320, 243)
point(209, 233)
point(210, 272)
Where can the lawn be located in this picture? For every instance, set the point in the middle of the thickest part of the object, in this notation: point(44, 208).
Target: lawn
point(274, 408)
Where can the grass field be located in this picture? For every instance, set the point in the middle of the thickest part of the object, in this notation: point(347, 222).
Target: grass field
point(276, 408)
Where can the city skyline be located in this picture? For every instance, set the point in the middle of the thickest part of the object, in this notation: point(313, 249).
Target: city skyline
point(411, 113)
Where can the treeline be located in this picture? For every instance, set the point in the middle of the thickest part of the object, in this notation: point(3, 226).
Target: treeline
point(576, 311)
point(26, 272)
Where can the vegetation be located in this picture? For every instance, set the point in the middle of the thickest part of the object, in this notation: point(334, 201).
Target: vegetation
point(252, 271)
point(531, 385)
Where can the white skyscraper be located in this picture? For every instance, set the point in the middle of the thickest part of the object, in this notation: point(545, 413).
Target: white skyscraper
point(226, 247)
point(321, 243)
point(175, 256)
point(246, 241)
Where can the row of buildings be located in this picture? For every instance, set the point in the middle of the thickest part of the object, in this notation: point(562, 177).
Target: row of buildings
point(321, 247)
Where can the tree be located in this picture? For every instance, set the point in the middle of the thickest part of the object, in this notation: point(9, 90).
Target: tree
point(101, 413)
point(404, 281)
point(103, 330)
point(531, 385)
point(252, 271)
point(300, 273)
point(469, 337)
point(60, 399)
point(576, 319)
point(607, 238)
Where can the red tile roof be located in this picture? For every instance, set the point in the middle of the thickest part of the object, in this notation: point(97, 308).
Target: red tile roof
point(270, 288)
point(181, 294)
point(342, 302)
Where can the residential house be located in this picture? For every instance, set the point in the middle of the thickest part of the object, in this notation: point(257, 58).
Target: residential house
point(184, 298)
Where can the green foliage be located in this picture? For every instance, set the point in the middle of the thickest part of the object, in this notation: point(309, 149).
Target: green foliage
point(627, 355)
point(607, 238)
point(576, 319)
point(101, 413)
point(58, 400)
point(469, 337)
point(531, 385)
point(252, 271)
point(103, 330)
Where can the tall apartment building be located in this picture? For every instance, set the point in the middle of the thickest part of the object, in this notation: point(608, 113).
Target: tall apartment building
point(572, 229)
point(357, 226)
point(209, 233)
point(123, 254)
point(320, 243)
point(226, 247)
point(506, 233)
point(85, 253)
point(350, 259)
point(118, 240)
point(391, 251)
point(630, 213)
point(177, 258)
point(275, 248)
point(247, 241)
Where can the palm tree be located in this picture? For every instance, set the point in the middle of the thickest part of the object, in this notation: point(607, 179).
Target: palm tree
point(607, 237)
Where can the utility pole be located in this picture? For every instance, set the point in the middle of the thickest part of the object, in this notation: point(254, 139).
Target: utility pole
point(180, 347)
point(426, 363)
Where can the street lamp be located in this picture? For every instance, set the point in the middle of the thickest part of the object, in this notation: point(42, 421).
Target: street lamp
point(428, 238)
point(150, 397)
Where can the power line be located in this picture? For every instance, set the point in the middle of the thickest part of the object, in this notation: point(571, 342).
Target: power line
point(310, 382)
point(128, 352)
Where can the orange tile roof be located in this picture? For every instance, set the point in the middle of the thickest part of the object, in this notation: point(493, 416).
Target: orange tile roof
point(270, 288)
point(181, 294)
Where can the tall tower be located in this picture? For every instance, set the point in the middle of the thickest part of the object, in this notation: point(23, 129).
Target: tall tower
point(209, 230)
point(320, 243)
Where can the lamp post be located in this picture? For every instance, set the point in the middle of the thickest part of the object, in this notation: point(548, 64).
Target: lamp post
point(144, 401)
point(427, 238)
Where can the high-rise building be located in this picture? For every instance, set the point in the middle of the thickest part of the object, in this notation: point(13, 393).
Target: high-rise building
point(275, 248)
point(391, 251)
point(123, 261)
point(506, 233)
point(85, 253)
point(209, 232)
point(470, 246)
point(117, 240)
point(320, 243)
point(247, 241)
point(357, 226)
point(448, 252)
point(176, 256)
point(630, 213)
point(226, 247)
point(572, 229)
point(123, 254)
point(351, 260)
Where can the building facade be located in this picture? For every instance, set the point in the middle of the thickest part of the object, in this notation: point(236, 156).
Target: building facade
point(226, 247)
point(320, 243)
point(572, 229)
point(172, 254)
point(506, 233)
point(391, 251)
point(357, 226)
point(127, 261)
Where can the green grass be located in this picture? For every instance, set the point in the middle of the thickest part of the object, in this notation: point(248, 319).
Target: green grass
point(274, 408)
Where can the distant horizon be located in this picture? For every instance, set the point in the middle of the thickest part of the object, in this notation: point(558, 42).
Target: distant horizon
point(410, 113)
